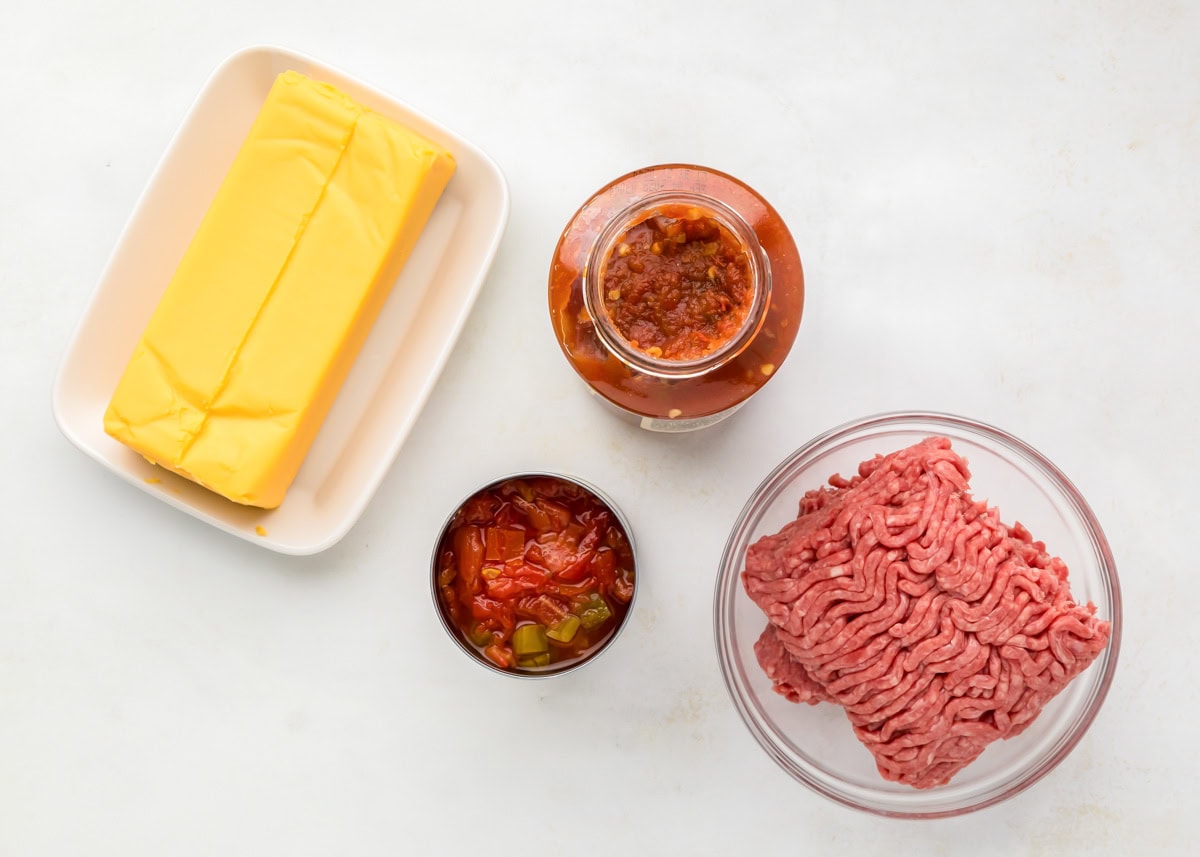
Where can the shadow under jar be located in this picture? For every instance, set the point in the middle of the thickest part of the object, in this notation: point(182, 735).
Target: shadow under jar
point(676, 293)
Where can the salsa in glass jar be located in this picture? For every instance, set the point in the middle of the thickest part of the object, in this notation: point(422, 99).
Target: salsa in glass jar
point(676, 292)
point(534, 574)
point(678, 285)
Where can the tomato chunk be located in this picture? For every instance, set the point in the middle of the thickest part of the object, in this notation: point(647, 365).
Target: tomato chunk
point(468, 557)
point(504, 543)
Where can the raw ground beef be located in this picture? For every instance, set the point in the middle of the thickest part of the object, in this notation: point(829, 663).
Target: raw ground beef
point(935, 626)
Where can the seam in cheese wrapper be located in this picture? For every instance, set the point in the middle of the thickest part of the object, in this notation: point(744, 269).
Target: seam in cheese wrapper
point(279, 287)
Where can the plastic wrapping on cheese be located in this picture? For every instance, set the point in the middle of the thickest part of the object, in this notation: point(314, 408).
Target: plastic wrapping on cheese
point(263, 318)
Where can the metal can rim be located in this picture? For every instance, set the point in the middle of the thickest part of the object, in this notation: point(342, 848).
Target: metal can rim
point(453, 633)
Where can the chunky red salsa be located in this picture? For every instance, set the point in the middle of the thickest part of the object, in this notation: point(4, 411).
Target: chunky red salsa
point(677, 285)
point(535, 573)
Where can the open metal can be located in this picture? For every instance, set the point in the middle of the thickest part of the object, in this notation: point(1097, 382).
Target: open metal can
point(534, 574)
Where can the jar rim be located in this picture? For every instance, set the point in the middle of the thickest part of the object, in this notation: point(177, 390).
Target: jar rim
point(638, 212)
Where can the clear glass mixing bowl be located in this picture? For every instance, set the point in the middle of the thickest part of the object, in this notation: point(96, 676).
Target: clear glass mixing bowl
point(815, 744)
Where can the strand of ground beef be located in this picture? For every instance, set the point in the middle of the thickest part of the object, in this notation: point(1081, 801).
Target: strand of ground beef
point(936, 627)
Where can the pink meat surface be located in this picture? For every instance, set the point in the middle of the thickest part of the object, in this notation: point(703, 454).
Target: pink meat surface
point(936, 627)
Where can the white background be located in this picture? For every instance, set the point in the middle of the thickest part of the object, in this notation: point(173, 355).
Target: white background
point(998, 209)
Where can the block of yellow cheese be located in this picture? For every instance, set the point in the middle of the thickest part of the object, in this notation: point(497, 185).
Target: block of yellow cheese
point(266, 312)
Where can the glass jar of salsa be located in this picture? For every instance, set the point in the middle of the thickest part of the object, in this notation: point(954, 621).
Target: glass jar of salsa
point(676, 292)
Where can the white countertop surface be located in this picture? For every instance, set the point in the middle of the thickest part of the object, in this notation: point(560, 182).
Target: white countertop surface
point(998, 209)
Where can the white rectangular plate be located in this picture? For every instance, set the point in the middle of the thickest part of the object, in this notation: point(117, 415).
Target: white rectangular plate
point(398, 364)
